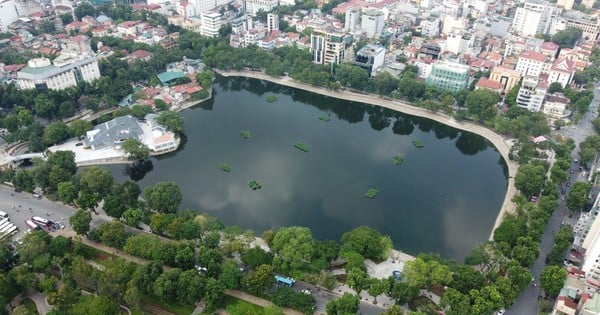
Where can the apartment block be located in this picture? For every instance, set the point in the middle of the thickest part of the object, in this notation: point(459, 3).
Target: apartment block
point(449, 76)
point(65, 71)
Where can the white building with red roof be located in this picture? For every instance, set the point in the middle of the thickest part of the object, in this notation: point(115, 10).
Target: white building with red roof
point(549, 49)
point(532, 63)
point(555, 106)
point(485, 83)
point(562, 71)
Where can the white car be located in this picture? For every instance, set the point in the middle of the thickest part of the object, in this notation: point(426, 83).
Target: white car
point(306, 291)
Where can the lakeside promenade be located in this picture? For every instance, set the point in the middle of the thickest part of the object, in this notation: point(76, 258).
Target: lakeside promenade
point(501, 143)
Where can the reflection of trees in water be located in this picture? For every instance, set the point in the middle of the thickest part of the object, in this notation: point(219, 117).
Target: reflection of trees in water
point(137, 170)
point(471, 144)
point(379, 117)
point(443, 131)
point(502, 163)
point(208, 104)
point(403, 126)
point(425, 125)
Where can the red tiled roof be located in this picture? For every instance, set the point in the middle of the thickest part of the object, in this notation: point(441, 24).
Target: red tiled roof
point(76, 24)
point(557, 99)
point(141, 54)
point(528, 54)
point(563, 65)
point(550, 46)
point(489, 84)
point(567, 302)
point(13, 68)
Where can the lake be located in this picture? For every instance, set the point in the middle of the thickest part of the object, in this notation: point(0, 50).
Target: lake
point(443, 198)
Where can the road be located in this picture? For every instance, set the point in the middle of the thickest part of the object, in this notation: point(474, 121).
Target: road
point(526, 303)
point(22, 206)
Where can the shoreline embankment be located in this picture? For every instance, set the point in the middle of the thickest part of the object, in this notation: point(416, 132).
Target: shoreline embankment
point(501, 143)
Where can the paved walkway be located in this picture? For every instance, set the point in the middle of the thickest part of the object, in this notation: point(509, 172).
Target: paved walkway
point(501, 143)
point(38, 298)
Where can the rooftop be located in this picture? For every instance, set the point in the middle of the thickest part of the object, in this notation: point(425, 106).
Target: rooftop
point(528, 54)
point(168, 76)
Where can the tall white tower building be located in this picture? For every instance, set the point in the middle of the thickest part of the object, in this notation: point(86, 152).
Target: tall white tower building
point(533, 18)
point(8, 14)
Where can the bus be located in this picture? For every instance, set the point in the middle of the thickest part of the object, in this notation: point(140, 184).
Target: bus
point(6, 228)
point(4, 225)
point(287, 281)
point(12, 230)
point(32, 225)
point(3, 221)
point(40, 220)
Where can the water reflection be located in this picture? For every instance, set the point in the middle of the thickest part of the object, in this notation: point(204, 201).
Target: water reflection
point(425, 204)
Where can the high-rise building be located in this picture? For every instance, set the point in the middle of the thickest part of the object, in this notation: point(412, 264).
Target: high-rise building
point(8, 14)
point(370, 58)
point(211, 23)
point(449, 76)
point(272, 22)
point(533, 18)
point(65, 71)
point(531, 94)
point(351, 21)
point(327, 47)
point(372, 22)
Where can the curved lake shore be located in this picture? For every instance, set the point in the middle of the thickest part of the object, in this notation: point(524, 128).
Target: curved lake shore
point(501, 143)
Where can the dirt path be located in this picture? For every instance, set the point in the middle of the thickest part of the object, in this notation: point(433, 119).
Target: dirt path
point(501, 143)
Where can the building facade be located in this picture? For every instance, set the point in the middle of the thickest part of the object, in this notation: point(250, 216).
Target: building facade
point(211, 23)
point(64, 72)
point(505, 76)
point(327, 47)
point(372, 22)
point(8, 14)
point(533, 18)
point(272, 22)
point(449, 76)
point(370, 58)
point(531, 94)
point(532, 63)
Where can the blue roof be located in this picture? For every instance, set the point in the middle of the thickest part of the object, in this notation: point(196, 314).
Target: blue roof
point(102, 18)
point(168, 76)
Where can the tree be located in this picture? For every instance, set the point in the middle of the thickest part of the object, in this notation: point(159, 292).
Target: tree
point(348, 304)
point(403, 293)
point(577, 197)
point(132, 216)
point(165, 286)
point(294, 248)
point(80, 221)
point(457, 302)
point(568, 37)
point(87, 200)
point(481, 104)
point(230, 275)
point(23, 180)
point(378, 287)
point(113, 234)
point(145, 276)
point(56, 132)
point(127, 193)
point(256, 256)
point(530, 179)
point(552, 279)
point(357, 280)
point(171, 120)
point(33, 245)
point(95, 305)
point(190, 287)
point(85, 9)
point(259, 280)
point(135, 150)
point(384, 83)
point(215, 291)
point(140, 111)
point(367, 242)
point(555, 87)
point(66, 18)
point(97, 180)
point(163, 197)
point(22, 310)
point(79, 127)
point(113, 206)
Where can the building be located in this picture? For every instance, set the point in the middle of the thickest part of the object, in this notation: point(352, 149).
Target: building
point(351, 21)
point(211, 24)
point(372, 22)
point(65, 71)
point(431, 28)
point(8, 14)
point(253, 6)
point(272, 22)
point(460, 42)
point(485, 83)
point(566, 4)
point(506, 76)
point(591, 305)
point(555, 106)
point(430, 50)
point(370, 58)
point(161, 140)
point(327, 47)
point(533, 18)
point(531, 94)
point(588, 23)
point(532, 63)
point(449, 76)
point(562, 71)
point(113, 133)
